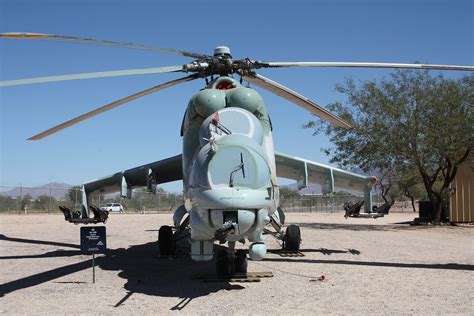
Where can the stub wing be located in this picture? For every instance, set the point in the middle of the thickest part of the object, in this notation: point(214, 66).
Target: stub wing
point(162, 171)
point(306, 171)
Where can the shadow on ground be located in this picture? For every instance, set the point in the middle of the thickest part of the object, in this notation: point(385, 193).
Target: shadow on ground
point(368, 226)
point(443, 266)
point(301, 252)
point(140, 265)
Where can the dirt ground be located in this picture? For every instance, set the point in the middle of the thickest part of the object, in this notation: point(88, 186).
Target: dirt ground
point(381, 266)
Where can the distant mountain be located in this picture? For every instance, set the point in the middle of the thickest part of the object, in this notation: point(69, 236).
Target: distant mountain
point(58, 190)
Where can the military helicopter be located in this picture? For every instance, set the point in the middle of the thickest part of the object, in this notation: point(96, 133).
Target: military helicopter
point(228, 164)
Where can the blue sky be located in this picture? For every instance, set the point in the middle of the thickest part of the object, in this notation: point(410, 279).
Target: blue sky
point(147, 129)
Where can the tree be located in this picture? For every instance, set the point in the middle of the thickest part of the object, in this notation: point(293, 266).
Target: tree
point(412, 121)
point(42, 202)
point(7, 203)
point(386, 180)
point(411, 186)
point(74, 195)
point(26, 201)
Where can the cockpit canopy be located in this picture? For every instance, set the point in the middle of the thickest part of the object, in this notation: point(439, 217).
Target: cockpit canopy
point(231, 161)
point(231, 121)
point(237, 166)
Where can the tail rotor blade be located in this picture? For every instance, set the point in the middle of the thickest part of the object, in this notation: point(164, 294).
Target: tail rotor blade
point(295, 97)
point(92, 75)
point(91, 41)
point(273, 64)
point(111, 106)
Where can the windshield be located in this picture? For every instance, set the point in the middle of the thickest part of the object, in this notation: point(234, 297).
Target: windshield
point(238, 166)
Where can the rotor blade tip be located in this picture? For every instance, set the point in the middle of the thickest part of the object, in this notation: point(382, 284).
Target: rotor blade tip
point(23, 35)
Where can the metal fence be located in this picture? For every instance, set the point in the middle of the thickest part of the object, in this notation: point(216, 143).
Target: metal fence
point(48, 199)
point(333, 203)
point(35, 199)
point(25, 200)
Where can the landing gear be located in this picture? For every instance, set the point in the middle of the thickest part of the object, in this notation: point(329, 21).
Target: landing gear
point(292, 238)
point(230, 262)
point(222, 263)
point(165, 240)
point(241, 261)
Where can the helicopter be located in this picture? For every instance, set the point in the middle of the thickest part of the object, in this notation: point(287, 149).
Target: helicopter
point(228, 164)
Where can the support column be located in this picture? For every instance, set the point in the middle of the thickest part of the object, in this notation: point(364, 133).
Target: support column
point(368, 198)
point(125, 190)
point(302, 182)
point(85, 203)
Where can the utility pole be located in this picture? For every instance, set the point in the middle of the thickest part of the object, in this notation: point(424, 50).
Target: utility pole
point(75, 201)
point(49, 207)
point(21, 198)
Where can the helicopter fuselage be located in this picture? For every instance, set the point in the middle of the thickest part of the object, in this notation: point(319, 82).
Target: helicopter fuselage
point(229, 173)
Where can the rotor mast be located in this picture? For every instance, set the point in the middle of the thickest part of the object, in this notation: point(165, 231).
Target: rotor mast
point(222, 53)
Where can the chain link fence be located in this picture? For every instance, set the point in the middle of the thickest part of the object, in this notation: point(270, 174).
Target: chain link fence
point(48, 199)
point(39, 199)
point(26, 200)
point(333, 203)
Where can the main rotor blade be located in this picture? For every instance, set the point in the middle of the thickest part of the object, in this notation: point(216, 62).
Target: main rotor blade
point(91, 41)
point(274, 64)
point(296, 98)
point(91, 75)
point(112, 105)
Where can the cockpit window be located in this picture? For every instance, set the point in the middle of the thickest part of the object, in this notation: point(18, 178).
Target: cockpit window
point(237, 166)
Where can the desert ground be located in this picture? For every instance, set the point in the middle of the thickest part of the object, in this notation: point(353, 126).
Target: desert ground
point(382, 266)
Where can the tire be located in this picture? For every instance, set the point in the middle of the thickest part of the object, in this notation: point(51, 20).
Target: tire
point(241, 262)
point(222, 263)
point(292, 238)
point(165, 240)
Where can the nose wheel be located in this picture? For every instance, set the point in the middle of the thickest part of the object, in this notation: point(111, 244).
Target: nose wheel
point(230, 262)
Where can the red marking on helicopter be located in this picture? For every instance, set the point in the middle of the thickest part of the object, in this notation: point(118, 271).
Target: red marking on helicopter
point(225, 86)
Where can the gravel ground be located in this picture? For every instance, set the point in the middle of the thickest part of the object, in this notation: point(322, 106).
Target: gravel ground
point(381, 266)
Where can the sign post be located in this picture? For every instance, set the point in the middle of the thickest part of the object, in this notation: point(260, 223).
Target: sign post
point(93, 240)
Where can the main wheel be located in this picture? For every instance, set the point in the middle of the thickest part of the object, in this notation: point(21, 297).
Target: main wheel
point(165, 240)
point(292, 238)
point(241, 261)
point(222, 263)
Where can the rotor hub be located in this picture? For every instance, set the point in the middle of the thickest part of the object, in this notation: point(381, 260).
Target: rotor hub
point(222, 51)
